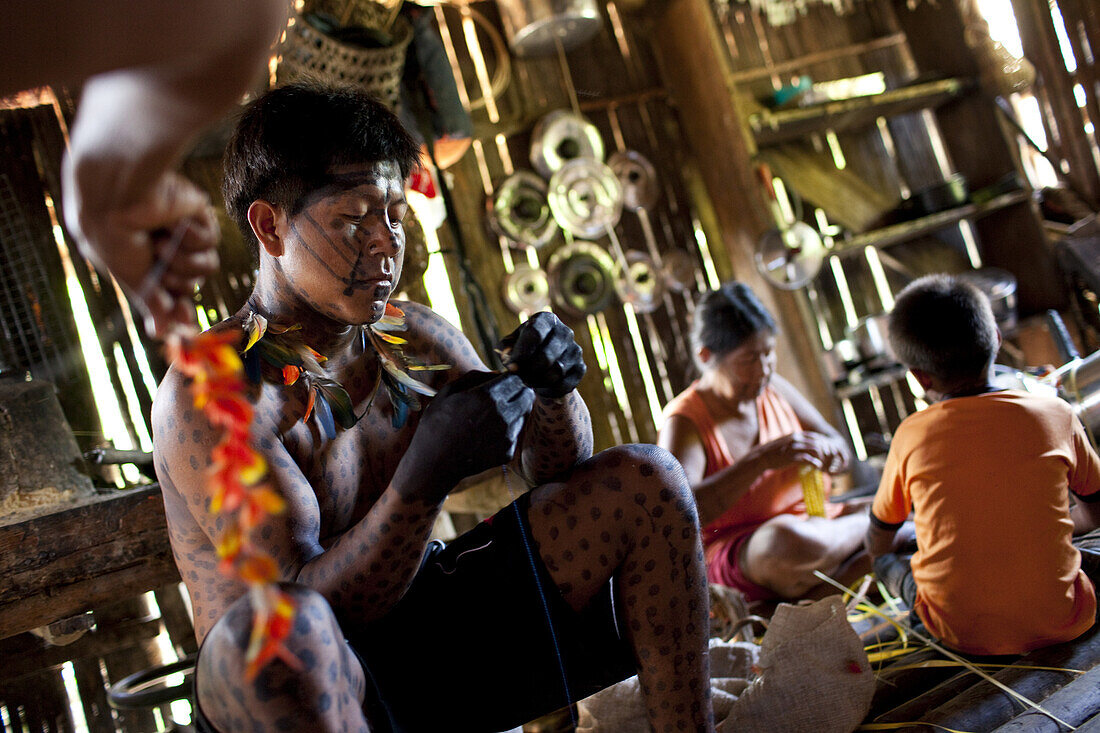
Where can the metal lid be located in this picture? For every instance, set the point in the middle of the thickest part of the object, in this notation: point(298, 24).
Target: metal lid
point(561, 136)
point(519, 210)
point(526, 289)
point(585, 198)
point(638, 178)
point(581, 278)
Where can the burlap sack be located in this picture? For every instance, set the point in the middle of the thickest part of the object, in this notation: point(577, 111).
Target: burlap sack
point(809, 674)
point(813, 675)
point(619, 708)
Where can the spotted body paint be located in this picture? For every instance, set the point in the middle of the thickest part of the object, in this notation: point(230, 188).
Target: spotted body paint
point(361, 506)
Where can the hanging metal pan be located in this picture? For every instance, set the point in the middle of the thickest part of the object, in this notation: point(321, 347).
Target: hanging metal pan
point(789, 258)
point(519, 210)
point(535, 27)
point(581, 279)
point(638, 178)
point(679, 270)
point(526, 289)
point(585, 198)
point(561, 136)
point(639, 282)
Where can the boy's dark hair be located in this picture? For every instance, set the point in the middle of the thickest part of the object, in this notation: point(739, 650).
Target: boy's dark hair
point(726, 317)
point(944, 326)
point(288, 139)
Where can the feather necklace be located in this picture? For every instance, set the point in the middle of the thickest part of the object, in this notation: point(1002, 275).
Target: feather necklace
point(327, 400)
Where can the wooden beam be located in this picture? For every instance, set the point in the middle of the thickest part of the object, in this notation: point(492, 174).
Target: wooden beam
point(690, 50)
point(26, 654)
point(983, 707)
point(1075, 703)
point(61, 564)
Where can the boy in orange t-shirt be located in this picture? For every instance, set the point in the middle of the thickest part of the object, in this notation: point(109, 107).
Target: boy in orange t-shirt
point(987, 474)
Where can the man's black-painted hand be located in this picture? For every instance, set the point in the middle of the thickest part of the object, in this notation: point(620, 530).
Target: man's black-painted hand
point(545, 356)
point(471, 425)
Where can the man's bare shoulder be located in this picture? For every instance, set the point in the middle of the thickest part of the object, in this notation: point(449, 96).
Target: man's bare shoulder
point(435, 340)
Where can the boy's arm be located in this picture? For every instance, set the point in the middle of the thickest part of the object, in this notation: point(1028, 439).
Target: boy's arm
point(1084, 481)
point(892, 504)
point(880, 537)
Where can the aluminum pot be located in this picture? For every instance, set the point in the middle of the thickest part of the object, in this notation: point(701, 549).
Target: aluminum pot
point(534, 27)
point(1000, 287)
point(871, 338)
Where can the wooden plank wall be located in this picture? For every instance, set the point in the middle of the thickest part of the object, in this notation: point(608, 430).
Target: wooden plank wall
point(619, 89)
point(1067, 120)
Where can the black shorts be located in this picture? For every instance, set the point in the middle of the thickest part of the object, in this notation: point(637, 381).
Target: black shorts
point(469, 647)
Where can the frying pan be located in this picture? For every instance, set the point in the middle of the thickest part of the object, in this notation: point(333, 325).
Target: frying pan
point(519, 210)
point(561, 136)
point(790, 255)
point(581, 279)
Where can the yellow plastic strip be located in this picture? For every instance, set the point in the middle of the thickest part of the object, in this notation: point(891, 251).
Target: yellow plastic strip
point(873, 657)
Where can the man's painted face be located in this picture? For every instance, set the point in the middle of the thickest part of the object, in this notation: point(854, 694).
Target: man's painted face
point(350, 242)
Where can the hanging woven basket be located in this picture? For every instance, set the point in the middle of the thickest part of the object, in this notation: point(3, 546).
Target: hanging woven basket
point(309, 52)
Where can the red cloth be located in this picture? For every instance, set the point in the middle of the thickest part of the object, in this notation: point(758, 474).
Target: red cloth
point(773, 493)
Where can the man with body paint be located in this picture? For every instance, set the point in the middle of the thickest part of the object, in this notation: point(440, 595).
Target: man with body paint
point(595, 574)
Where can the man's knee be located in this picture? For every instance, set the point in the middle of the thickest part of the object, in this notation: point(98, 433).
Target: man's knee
point(645, 468)
point(782, 557)
point(224, 650)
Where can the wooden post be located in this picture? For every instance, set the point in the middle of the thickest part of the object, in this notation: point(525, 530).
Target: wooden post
point(689, 48)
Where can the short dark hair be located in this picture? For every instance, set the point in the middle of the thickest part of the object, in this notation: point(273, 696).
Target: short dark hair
point(288, 139)
point(726, 317)
point(944, 325)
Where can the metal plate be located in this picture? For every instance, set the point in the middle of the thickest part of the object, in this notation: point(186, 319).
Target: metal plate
point(581, 280)
point(519, 210)
point(561, 136)
point(526, 289)
point(639, 282)
point(790, 258)
point(585, 198)
point(638, 179)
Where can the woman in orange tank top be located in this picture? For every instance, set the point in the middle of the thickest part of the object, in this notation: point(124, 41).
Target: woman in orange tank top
point(743, 434)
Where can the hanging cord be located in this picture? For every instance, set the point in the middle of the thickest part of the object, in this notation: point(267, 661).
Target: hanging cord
point(542, 596)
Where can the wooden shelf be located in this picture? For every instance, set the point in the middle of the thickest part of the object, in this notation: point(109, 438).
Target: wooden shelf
point(888, 376)
point(907, 230)
point(771, 127)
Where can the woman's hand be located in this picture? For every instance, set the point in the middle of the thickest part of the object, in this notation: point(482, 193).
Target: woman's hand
point(817, 449)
